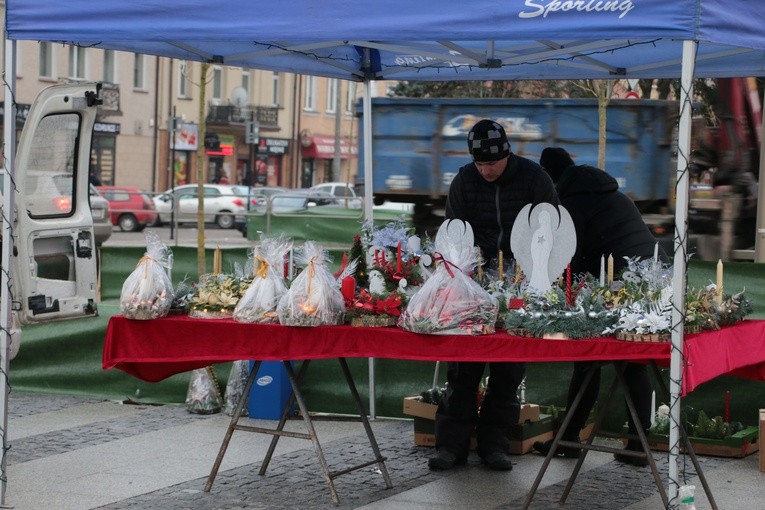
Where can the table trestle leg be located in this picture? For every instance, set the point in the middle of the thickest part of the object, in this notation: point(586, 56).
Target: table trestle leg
point(297, 397)
point(379, 459)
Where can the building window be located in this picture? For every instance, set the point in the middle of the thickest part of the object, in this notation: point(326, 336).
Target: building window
point(276, 89)
point(76, 69)
point(350, 97)
point(246, 81)
point(46, 60)
point(332, 86)
point(309, 103)
point(139, 76)
point(182, 83)
point(109, 62)
point(217, 83)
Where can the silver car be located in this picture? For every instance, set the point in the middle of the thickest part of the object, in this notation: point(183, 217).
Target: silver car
point(102, 217)
point(224, 205)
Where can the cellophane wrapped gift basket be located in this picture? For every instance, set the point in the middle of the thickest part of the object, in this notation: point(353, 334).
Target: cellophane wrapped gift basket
point(258, 304)
point(450, 302)
point(147, 292)
point(314, 298)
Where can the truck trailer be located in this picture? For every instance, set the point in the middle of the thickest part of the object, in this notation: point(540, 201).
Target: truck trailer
point(418, 145)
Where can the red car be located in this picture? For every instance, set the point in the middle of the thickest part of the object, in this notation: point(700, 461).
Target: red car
point(132, 209)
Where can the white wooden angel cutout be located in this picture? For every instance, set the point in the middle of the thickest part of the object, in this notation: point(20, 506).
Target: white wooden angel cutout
point(543, 240)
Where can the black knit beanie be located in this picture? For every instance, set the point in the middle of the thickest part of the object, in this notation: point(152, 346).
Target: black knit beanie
point(555, 160)
point(487, 141)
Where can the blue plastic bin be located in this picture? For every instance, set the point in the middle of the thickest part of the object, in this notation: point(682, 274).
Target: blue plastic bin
point(269, 392)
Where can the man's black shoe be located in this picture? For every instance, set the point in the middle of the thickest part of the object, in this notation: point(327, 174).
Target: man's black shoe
point(444, 460)
point(569, 452)
point(498, 461)
point(629, 459)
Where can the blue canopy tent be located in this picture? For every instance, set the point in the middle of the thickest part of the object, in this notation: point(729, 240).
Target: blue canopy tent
point(429, 40)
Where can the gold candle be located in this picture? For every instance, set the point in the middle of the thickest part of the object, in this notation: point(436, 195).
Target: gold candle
point(719, 280)
point(610, 269)
point(217, 263)
point(501, 267)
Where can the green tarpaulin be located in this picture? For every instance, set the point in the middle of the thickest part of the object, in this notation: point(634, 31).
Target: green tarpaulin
point(65, 357)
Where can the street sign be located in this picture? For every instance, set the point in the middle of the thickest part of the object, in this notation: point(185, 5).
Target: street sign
point(253, 132)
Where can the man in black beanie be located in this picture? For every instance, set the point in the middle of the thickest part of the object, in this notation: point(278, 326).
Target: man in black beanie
point(487, 193)
point(607, 222)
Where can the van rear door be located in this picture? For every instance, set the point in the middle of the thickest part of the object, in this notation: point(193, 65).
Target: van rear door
point(56, 270)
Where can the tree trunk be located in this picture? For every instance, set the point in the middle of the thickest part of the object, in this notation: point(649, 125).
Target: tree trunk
point(201, 265)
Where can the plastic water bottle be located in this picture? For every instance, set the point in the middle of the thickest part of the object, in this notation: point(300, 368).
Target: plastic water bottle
point(686, 497)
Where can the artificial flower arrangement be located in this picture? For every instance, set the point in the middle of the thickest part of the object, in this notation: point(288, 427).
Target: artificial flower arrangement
point(147, 292)
point(705, 427)
point(216, 296)
point(314, 298)
point(268, 285)
point(386, 268)
point(636, 306)
point(395, 256)
point(643, 299)
point(367, 310)
point(450, 302)
point(578, 311)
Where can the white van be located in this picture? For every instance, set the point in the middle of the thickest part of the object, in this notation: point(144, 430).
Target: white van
point(53, 253)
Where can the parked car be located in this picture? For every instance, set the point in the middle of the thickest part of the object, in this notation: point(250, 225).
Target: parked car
point(132, 208)
point(301, 200)
point(224, 205)
point(52, 194)
point(341, 190)
point(102, 223)
point(258, 195)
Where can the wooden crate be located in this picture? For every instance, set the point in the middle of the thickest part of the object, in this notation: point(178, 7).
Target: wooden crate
point(738, 445)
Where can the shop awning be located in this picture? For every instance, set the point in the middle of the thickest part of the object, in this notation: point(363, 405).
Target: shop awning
point(323, 147)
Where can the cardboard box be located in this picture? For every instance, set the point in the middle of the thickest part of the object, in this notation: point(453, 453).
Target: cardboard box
point(414, 407)
point(762, 440)
point(522, 435)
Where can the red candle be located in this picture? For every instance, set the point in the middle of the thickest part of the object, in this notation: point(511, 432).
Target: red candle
point(569, 296)
point(348, 288)
point(727, 407)
point(398, 258)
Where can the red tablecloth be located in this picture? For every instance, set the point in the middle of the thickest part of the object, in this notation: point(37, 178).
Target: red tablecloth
point(156, 349)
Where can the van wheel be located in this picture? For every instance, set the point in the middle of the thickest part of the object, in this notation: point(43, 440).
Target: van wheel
point(224, 220)
point(128, 223)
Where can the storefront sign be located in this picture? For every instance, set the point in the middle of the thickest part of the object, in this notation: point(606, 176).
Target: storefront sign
point(185, 138)
point(225, 146)
point(273, 145)
point(106, 127)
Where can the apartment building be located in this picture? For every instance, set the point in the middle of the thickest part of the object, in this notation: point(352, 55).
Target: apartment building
point(261, 127)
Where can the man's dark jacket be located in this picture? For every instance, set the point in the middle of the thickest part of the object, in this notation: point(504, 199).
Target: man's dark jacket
point(607, 221)
point(491, 207)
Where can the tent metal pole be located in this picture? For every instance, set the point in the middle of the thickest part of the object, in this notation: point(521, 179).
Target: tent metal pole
point(367, 119)
point(679, 263)
point(759, 241)
point(9, 195)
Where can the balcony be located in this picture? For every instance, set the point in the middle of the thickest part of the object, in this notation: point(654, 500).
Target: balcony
point(267, 116)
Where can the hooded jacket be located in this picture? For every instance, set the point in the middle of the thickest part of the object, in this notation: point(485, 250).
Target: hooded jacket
point(491, 207)
point(607, 221)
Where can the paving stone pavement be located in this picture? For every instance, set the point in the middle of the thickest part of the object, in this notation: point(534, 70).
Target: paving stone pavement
point(294, 480)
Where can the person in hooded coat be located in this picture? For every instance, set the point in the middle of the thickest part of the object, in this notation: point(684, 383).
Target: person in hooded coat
point(607, 222)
